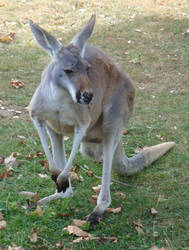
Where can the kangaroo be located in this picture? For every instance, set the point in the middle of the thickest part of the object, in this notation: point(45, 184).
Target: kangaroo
point(82, 92)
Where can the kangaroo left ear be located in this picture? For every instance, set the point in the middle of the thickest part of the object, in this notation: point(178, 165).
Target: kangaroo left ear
point(80, 40)
point(45, 40)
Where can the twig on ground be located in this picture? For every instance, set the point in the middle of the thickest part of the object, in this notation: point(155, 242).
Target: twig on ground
point(85, 168)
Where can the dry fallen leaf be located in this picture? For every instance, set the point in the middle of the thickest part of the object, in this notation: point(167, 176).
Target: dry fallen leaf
point(114, 210)
point(33, 237)
point(22, 141)
point(138, 30)
point(3, 224)
point(39, 210)
point(17, 84)
point(39, 153)
point(43, 162)
point(66, 138)
point(138, 149)
point(112, 238)
point(93, 199)
point(78, 240)
point(1, 159)
point(122, 195)
point(14, 247)
point(7, 38)
point(28, 194)
point(138, 224)
point(44, 176)
point(75, 230)
point(154, 248)
point(162, 138)
point(76, 176)
point(125, 131)
point(154, 211)
point(79, 223)
point(5, 173)
point(89, 173)
point(139, 230)
point(11, 161)
point(46, 166)
point(157, 248)
point(30, 156)
point(76, 168)
point(97, 189)
point(60, 245)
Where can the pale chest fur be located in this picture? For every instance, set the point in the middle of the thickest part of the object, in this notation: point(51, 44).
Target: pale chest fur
point(58, 109)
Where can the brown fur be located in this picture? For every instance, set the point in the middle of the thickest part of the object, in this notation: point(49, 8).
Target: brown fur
point(82, 91)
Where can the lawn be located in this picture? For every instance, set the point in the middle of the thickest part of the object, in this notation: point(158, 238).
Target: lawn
point(150, 40)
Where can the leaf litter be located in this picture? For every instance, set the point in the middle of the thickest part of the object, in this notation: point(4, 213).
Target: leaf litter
point(11, 161)
point(157, 248)
point(120, 194)
point(140, 230)
point(34, 238)
point(75, 229)
point(84, 236)
point(114, 210)
point(79, 223)
point(93, 199)
point(8, 37)
point(3, 223)
point(97, 188)
point(153, 211)
point(14, 247)
point(17, 84)
point(1, 159)
point(76, 176)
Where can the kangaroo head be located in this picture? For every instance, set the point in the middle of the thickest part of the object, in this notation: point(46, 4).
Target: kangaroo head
point(68, 68)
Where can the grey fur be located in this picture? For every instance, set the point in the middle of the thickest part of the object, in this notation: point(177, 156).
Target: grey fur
point(57, 108)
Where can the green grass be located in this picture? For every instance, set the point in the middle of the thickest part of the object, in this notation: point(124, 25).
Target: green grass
point(156, 58)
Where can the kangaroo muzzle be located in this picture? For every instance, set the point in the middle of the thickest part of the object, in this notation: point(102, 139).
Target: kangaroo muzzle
point(84, 97)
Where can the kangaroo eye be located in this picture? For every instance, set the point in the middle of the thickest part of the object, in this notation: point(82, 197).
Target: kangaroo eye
point(68, 71)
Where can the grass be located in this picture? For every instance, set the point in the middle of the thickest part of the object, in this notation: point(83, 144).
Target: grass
point(146, 39)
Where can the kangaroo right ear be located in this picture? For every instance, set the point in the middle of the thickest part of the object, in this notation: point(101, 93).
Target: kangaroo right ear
point(80, 40)
point(45, 40)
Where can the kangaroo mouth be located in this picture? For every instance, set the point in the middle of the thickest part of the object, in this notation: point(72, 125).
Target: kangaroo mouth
point(84, 97)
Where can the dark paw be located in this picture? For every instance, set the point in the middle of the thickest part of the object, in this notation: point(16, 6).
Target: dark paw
point(84, 98)
point(94, 218)
point(54, 177)
point(63, 185)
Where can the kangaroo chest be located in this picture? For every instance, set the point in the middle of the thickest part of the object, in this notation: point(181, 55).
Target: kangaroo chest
point(59, 112)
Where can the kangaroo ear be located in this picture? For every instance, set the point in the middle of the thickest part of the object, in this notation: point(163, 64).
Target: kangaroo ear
point(45, 40)
point(80, 40)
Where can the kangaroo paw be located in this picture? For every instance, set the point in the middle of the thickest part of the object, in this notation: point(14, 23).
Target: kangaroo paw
point(94, 218)
point(54, 177)
point(62, 185)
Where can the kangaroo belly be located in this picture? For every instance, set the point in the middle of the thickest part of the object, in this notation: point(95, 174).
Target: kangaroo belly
point(60, 128)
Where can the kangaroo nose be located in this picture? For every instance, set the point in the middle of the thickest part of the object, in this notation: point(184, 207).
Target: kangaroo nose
point(87, 97)
point(84, 97)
